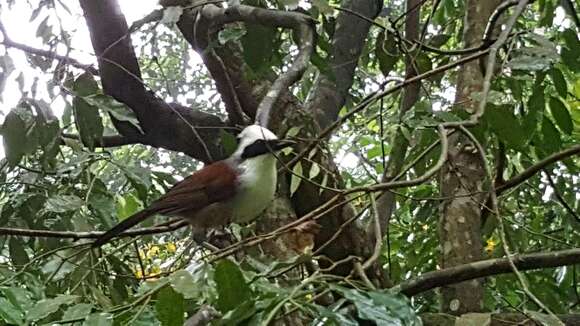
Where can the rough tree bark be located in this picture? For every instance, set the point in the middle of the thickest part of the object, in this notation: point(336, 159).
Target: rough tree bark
point(462, 176)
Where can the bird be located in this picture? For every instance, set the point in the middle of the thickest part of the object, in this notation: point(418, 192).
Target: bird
point(234, 190)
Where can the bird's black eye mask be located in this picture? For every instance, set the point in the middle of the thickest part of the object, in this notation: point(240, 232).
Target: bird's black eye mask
point(262, 146)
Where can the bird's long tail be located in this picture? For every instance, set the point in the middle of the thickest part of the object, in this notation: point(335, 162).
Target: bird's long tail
point(122, 226)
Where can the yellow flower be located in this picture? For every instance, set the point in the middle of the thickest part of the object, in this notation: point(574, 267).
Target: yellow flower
point(490, 245)
point(153, 251)
point(138, 274)
point(170, 246)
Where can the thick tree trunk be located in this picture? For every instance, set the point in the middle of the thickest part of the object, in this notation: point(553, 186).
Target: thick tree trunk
point(463, 178)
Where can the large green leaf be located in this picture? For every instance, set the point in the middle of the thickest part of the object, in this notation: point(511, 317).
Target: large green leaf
point(169, 307)
point(561, 115)
point(45, 307)
point(231, 286)
point(183, 282)
point(9, 313)
point(380, 307)
point(117, 110)
point(63, 203)
point(18, 135)
point(88, 122)
point(534, 113)
point(259, 44)
point(18, 254)
point(77, 311)
point(551, 140)
point(99, 319)
point(506, 126)
point(85, 85)
point(559, 82)
point(386, 52)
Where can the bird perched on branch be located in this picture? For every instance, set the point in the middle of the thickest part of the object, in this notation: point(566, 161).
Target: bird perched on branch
point(234, 190)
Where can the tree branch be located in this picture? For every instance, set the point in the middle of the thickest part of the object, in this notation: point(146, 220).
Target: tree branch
point(460, 273)
point(532, 170)
point(166, 125)
point(44, 53)
point(331, 90)
point(106, 141)
point(89, 235)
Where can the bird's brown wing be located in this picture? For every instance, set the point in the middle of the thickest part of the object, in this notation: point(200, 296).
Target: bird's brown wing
point(215, 182)
point(218, 182)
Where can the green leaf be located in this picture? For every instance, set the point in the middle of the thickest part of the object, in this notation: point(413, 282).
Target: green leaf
point(397, 305)
point(140, 179)
point(386, 52)
point(296, 178)
point(559, 82)
point(18, 254)
point(241, 313)
point(259, 46)
point(80, 310)
point(57, 268)
point(505, 125)
point(17, 133)
point(169, 307)
point(529, 63)
point(438, 40)
point(117, 110)
point(323, 6)
point(231, 286)
point(229, 142)
point(45, 307)
point(338, 317)
point(19, 297)
point(85, 85)
point(127, 205)
point(551, 141)
point(13, 132)
point(9, 313)
point(43, 30)
point(231, 34)
point(535, 110)
point(183, 282)
point(561, 115)
point(63, 203)
point(291, 4)
point(88, 121)
point(99, 319)
point(367, 309)
point(423, 62)
point(49, 141)
point(314, 171)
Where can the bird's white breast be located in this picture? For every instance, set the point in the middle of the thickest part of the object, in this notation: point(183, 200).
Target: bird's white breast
point(257, 188)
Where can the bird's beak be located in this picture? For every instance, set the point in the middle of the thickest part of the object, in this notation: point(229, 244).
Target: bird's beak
point(278, 144)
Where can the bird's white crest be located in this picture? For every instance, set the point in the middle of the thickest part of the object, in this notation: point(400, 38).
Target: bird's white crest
point(252, 133)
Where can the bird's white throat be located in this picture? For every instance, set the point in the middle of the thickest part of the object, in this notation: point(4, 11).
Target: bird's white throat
point(258, 186)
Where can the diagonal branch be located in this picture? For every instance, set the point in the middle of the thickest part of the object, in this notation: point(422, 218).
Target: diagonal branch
point(483, 268)
point(532, 170)
point(166, 125)
point(89, 235)
point(302, 24)
point(9, 43)
point(332, 88)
